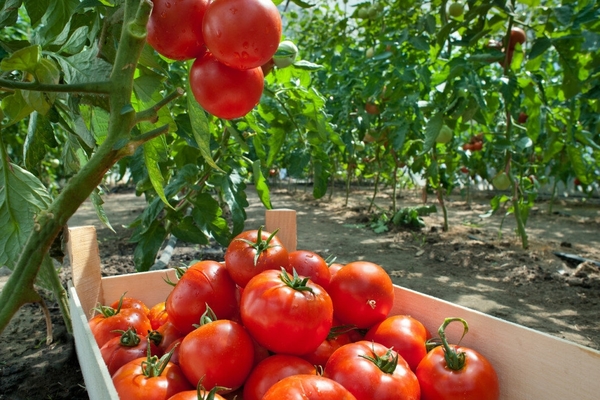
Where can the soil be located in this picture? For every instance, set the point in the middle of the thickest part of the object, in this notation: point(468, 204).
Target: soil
point(478, 263)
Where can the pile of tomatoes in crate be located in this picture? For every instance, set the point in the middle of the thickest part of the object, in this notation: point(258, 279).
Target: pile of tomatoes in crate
point(272, 324)
point(232, 43)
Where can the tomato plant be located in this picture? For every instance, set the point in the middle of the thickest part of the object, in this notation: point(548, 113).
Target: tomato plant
point(307, 387)
point(455, 372)
point(273, 369)
point(224, 91)
point(252, 252)
point(205, 283)
point(175, 28)
point(369, 370)
point(243, 34)
point(362, 293)
point(286, 314)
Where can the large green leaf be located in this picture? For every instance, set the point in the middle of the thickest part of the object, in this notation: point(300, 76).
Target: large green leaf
point(233, 188)
point(209, 217)
point(22, 197)
point(39, 135)
point(36, 10)
point(9, 12)
point(200, 129)
point(24, 59)
point(84, 67)
point(154, 153)
point(262, 188)
point(432, 130)
point(148, 245)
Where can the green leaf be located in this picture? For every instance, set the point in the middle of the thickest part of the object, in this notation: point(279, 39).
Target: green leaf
point(233, 188)
point(302, 4)
point(84, 67)
point(148, 245)
point(58, 15)
point(22, 196)
point(188, 231)
point(24, 59)
point(262, 188)
point(307, 65)
point(154, 153)
point(539, 47)
point(320, 178)
point(39, 135)
point(432, 130)
point(209, 217)
point(9, 12)
point(76, 41)
point(97, 202)
point(15, 107)
point(201, 130)
point(36, 10)
point(577, 163)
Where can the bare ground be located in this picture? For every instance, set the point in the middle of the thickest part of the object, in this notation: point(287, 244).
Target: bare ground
point(478, 263)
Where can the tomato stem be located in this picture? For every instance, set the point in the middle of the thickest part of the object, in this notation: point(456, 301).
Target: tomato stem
point(261, 245)
point(386, 363)
point(295, 282)
point(455, 360)
point(129, 338)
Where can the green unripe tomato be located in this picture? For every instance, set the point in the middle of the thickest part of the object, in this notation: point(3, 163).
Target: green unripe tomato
point(286, 54)
point(445, 135)
point(373, 12)
point(362, 13)
point(370, 52)
point(456, 10)
point(501, 181)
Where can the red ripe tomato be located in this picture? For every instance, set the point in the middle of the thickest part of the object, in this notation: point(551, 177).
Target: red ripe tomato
point(517, 35)
point(198, 394)
point(242, 34)
point(310, 264)
point(334, 267)
point(218, 353)
point(158, 315)
point(523, 117)
point(130, 302)
point(118, 351)
point(307, 387)
point(406, 335)
point(107, 324)
point(450, 372)
point(338, 336)
point(370, 370)
point(252, 252)
point(175, 28)
point(271, 370)
point(287, 315)
point(168, 334)
point(149, 379)
point(223, 91)
point(205, 282)
point(372, 108)
point(362, 293)
point(477, 146)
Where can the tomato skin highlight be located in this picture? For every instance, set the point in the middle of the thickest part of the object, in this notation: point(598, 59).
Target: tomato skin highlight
point(362, 293)
point(271, 370)
point(406, 335)
point(307, 387)
point(220, 353)
point(242, 34)
point(310, 264)
point(175, 28)
point(223, 91)
point(477, 380)
point(365, 380)
point(283, 319)
point(131, 383)
point(239, 256)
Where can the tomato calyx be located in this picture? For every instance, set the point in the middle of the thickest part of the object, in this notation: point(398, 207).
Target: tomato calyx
point(207, 317)
point(387, 363)
point(108, 311)
point(295, 282)
point(153, 366)
point(260, 245)
point(129, 338)
point(455, 360)
point(336, 331)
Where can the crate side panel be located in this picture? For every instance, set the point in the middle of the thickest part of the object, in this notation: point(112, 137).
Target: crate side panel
point(531, 365)
point(98, 382)
point(84, 257)
point(150, 287)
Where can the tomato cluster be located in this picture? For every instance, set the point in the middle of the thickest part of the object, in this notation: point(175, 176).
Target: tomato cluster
point(475, 143)
point(272, 324)
point(228, 39)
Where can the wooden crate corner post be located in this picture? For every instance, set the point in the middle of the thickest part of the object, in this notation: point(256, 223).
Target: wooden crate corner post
point(283, 220)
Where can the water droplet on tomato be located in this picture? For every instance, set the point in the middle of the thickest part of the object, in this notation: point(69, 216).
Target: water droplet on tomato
point(163, 14)
point(168, 5)
point(219, 33)
point(233, 10)
point(246, 45)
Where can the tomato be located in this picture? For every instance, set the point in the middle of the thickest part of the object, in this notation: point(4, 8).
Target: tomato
point(158, 315)
point(310, 264)
point(168, 334)
point(464, 170)
point(517, 35)
point(252, 252)
point(370, 371)
point(204, 283)
point(456, 9)
point(130, 302)
point(198, 394)
point(334, 268)
point(467, 146)
point(218, 353)
point(287, 315)
point(337, 337)
point(406, 335)
point(271, 370)
point(175, 28)
point(522, 117)
point(242, 34)
point(362, 293)
point(445, 135)
point(455, 372)
point(307, 387)
point(501, 181)
point(107, 324)
point(223, 91)
point(150, 378)
point(118, 351)
point(372, 108)
point(477, 146)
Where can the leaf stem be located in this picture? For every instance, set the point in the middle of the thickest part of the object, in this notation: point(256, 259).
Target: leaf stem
point(88, 87)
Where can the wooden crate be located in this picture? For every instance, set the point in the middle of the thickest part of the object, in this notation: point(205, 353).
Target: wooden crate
point(531, 365)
